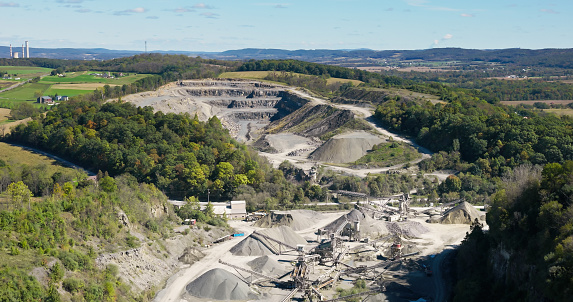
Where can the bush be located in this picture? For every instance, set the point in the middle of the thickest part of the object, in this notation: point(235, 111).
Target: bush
point(73, 285)
point(132, 241)
point(152, 226)
point(56, 272)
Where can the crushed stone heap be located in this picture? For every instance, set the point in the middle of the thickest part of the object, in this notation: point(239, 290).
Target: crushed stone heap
point(220, 284)
point(346, 148)
point(267, 266)
point(259, 246)
point(369, 227)
point(463, 213)
point(297, 219)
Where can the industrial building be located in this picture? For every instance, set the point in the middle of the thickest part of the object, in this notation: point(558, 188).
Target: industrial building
point(25, 51)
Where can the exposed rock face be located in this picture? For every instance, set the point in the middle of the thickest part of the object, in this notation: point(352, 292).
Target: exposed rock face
point(346, 148)
point(312, 120)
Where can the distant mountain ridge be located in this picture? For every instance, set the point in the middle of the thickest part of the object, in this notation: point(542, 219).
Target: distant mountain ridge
point(561, 58)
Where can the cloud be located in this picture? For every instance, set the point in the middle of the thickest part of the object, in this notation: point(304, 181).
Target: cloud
point(137, 10)
point(9, 4)
point(152, 17)
point(390, 9)
point(83, 10)
point(181, 10)
point(202, 6)
point(447, 37)
point(424, 4)
point(70, 1)
point(209, 15)
point(549, 11)
point(281, 6)
point(467, 15)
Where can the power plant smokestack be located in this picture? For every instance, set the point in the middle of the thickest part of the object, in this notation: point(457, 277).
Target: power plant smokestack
point(11, 54)
point(23, 53)
point(27, 50)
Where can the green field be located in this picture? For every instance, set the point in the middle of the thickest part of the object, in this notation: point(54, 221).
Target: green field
point(23, 93)
point(85, 77)
point(66, 92)
point(75, 83)
point(389, 154)
point(25, 70)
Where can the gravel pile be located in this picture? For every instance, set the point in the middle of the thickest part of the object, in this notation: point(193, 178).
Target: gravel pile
point(296, 219)
point(464, 213)
point(258, 246)
point(410, 229)
point(346, 148)
point(220, 284)
point(368, 227)
point(267, 266)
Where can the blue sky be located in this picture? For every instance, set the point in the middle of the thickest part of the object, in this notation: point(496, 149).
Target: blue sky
point(220, 25)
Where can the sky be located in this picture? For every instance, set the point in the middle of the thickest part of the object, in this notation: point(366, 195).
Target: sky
point(219, 25)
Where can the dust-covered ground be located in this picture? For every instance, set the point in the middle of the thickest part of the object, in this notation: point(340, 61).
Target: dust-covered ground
point(404, 280)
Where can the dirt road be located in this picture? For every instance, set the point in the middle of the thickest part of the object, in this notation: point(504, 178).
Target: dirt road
point(176, 284)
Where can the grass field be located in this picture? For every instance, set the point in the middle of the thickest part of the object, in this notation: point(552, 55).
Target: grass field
point(85, 77)
point(389, 154)
point(25, 92)
point(75, 83)
point(260, 75)
point(25, 70)
point(4, 115)
point(66, 92)
point(13, 154)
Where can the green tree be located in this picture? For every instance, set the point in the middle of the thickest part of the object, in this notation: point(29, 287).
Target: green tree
point(19, 193)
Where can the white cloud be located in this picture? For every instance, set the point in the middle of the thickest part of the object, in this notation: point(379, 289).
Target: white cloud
point(182, 10)
point(447, 37)
point(549, 11)
point(467, 15)
point(202, 6)
point(137, 10)
point(9, 4)
point(210, 15)
point(83, 10)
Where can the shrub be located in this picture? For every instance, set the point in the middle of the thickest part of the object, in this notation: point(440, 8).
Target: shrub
point(73, 285)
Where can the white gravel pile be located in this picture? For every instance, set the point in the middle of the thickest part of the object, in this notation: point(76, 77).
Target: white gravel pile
point(464, 213)
point(259, 246)
point(368, 227)
point(220, 284)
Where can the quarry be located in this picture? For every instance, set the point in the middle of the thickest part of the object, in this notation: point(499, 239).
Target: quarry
point(282, 122)
point(303, 255)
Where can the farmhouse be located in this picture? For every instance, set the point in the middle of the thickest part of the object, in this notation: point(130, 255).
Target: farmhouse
point(45, 100)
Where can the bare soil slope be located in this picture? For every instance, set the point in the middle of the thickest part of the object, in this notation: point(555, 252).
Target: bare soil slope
point(345, 148)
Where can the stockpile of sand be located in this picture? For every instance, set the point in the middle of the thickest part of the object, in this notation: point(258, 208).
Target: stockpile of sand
point(220, 284)
point(258, 246)
point(296, 219)
point(345, 148)
point(267, 266)
point(368, 226)
point(284, 142)
point(464, 213)
point(411, 229)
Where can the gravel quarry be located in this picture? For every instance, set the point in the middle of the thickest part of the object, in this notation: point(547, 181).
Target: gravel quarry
point(209, 280)
point(283, 123)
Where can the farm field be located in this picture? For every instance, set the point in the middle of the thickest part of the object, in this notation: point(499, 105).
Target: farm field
point(9, 154)
point(75, 83)
point(260, 75)
point(25, 72)
point(85, 77)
